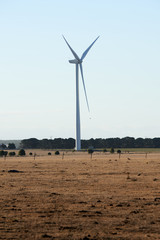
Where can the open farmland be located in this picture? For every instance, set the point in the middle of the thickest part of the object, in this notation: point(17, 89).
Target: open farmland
point(80, 198)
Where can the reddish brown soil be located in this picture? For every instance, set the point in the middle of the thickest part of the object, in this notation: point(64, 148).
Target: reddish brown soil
point(80, 198)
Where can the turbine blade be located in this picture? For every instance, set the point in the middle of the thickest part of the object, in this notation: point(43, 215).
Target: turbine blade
point(85, 52)
point(74, 54)
point(84, 86)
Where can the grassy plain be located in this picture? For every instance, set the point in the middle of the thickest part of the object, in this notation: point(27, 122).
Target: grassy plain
point(80, 198)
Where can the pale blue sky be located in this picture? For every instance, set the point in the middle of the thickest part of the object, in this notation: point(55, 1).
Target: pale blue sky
point(121, 71)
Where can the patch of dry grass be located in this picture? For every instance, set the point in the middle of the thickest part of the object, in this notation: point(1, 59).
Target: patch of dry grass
point(80, 198)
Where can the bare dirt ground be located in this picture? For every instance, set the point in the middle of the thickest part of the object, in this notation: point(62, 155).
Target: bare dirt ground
point(80, 198)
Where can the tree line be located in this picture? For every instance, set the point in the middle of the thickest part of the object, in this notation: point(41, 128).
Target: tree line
point(69, 143)
point(9, 146)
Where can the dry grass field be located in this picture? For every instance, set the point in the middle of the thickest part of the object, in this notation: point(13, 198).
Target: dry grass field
point(80, 198)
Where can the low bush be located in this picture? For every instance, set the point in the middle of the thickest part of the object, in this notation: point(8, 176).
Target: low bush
point(56, 153)
point(11, 154)
point(112, 150)
point(3, 153)
point(21, 152)
point(90, 151)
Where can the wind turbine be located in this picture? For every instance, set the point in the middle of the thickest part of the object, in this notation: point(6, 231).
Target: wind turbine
point(78, 62)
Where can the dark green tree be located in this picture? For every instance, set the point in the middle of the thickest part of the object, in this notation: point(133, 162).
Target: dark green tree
point(31, 143)
point(104, 150)
point(22, 152)
point(112, 150)
point(56, 153)
point(3, 146)
point(90, 151)
point(11, 146)
point(119, 152)
point(1, 153)
point(11, 154)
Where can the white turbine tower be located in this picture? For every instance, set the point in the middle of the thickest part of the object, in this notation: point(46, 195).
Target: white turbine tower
point(78, 62)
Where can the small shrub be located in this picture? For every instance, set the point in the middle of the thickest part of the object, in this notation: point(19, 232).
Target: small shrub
point(90, 151)
point(104, 150)
point(11, 154)
point(119, 152)
point(30, 154)
point(21, 152)
point(1, 153)
point(112, 150)
point(56, 153)
point(5, 153)
point(49, 153)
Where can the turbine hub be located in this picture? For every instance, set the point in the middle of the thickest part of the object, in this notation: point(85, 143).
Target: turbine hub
point(75, 61)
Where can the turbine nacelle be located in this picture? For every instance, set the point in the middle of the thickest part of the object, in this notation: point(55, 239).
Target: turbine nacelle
point(75, 61)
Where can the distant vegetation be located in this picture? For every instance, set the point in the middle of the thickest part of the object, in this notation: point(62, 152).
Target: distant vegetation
point(112, 150)
point(90, 151)
point(6, 142)
point(21, 152)
point(98, 143)
point(11, 154)
point(3, 153)
point(56, 153)
point(9, 146)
